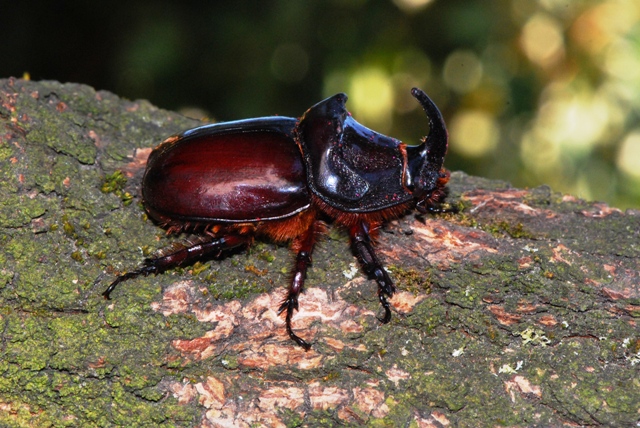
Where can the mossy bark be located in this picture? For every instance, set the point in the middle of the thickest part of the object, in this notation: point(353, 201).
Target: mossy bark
point(520, 310)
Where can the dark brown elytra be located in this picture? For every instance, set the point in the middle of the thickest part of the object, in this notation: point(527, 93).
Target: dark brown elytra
point(283, 179)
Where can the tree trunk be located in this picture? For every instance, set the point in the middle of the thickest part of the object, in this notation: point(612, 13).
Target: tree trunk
point(520, 310)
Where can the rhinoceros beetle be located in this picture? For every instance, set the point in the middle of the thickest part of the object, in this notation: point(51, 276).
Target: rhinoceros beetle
point(281, 178)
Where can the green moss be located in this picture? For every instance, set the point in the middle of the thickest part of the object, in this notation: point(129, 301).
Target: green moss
point(411, 280)
point(30, 208)
point(292, 418)
point(5, 151)
point(230, 362)
point(266, 256)
point(68, 228)
point(198, 268)
point(507, 228)
point(115, 183)
point(464, 219)
point(77, 256)
point(236, 289)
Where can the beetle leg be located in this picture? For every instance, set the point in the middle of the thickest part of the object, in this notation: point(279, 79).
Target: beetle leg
point(182, 256)
point(361, 245)
point(290, 303)
point(304, 245)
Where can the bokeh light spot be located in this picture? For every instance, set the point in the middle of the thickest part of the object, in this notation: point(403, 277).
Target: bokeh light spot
point(474, 133)
point(628, 159)
point(622, 60)
point(605, 22)
point(371, 97)
point(575, 120)
point(542, 40)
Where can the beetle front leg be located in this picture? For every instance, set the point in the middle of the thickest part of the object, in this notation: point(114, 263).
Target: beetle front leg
point(361, 245)
point(183, 256)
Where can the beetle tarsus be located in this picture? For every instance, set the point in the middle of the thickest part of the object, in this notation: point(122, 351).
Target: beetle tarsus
point(145, 270)
point(289, 305)
point(385, 288)
point(387, 309)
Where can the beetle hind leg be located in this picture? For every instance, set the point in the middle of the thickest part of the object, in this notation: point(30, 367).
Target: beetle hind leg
point(180, 256)
point(363, 249)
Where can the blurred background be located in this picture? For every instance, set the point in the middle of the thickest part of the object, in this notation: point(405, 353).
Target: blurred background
point(533, 91)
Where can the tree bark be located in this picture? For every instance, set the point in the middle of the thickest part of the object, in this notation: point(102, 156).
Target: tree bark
point(521, 310)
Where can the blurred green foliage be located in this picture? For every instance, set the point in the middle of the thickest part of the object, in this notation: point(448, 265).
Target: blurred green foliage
point(534, 91)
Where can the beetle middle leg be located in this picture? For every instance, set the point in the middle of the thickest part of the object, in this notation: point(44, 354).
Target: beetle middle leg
point(361, 245)
point(304, 246)
point(184, 255)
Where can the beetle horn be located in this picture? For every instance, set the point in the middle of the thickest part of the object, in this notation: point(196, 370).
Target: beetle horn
point(435, 144)
point(425, 161)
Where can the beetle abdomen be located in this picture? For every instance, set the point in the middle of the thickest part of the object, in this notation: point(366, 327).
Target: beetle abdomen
point(228, 176)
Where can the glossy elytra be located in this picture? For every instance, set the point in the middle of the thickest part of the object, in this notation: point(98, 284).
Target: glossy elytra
point(283, 179)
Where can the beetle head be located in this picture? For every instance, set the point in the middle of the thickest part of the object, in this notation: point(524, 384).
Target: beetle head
point(425, 176)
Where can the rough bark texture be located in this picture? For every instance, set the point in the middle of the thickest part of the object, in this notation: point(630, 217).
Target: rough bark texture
point(521, 310)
